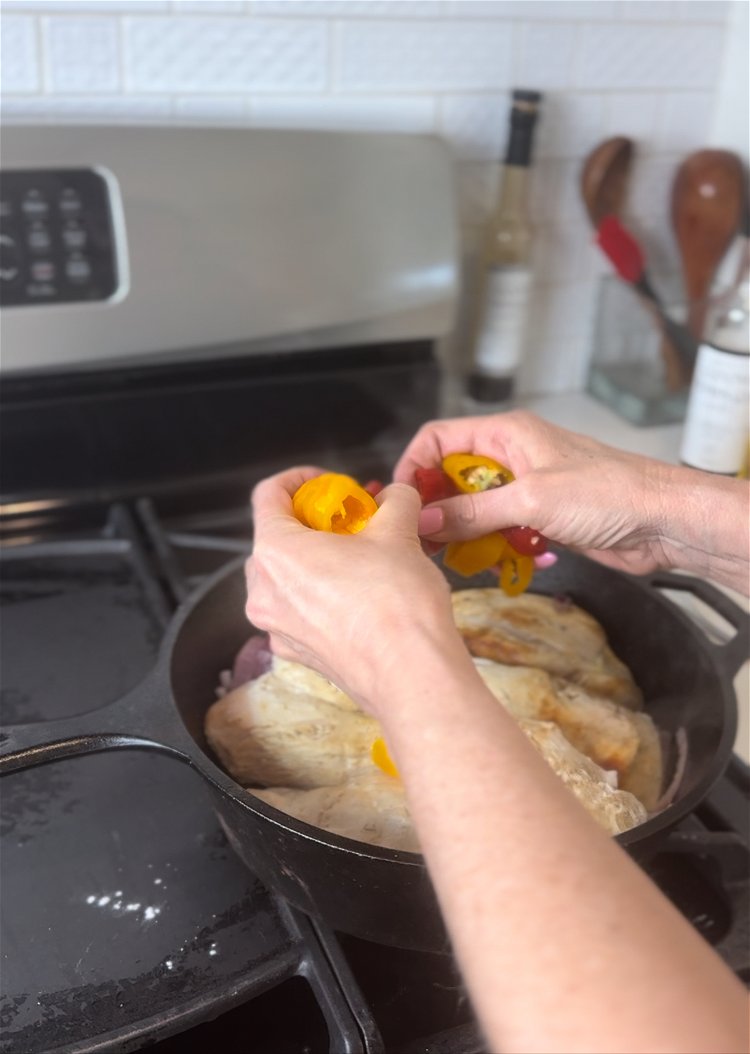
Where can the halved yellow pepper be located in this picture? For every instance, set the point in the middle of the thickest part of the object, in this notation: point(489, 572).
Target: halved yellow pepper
point(473, 472)
point(381, 757)
point(333, 502)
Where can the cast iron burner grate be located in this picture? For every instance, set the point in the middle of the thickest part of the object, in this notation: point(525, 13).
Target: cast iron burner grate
point(126, 917)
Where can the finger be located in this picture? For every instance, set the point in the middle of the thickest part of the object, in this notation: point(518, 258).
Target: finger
point(470, 516)
point(433, 441)
point(272, 498)
point(398, 512)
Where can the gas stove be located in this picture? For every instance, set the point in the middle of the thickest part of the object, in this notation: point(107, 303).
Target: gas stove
point(127, 919)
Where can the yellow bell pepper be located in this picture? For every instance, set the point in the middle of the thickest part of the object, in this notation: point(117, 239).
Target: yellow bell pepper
point(472, 473)
point(381, 757)
point(333, 502)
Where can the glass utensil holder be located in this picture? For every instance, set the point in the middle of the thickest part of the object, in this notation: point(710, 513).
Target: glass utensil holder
point(628, 366)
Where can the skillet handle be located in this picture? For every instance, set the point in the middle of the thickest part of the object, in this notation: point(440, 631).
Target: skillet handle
point(736, 651)
point(138, 720)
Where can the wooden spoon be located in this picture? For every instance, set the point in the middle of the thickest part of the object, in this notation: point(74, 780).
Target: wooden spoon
point(604, 178)
point(707, 197)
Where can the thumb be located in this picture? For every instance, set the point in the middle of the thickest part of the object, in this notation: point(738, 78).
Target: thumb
point(470, 516)
point(399, 510)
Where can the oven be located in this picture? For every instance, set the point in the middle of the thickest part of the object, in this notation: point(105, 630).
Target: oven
point(185, 311)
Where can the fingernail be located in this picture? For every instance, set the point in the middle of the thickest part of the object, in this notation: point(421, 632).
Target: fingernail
point(545, 560)
point(430, 521)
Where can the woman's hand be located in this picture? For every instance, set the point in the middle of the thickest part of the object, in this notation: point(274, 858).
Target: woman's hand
point(574, 490)
point(350, 606)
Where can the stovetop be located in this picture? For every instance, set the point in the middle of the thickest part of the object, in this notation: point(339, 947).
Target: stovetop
point(126, 917)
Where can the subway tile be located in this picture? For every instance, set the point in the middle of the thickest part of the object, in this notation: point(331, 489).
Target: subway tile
point(570, 124)
point(560, 252)
point(685, 121)
point(526, 10)
point(635, 56)
point(424, 56)
point(555, 192)
point(380, 114)
point(224, 55)
point(19, 60)
point(633, 114)
point(547, 56)
point(81, 54)
point(349, 8)
point(476, 125)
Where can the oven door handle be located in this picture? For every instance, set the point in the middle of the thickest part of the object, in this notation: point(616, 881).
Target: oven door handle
point(138, 720)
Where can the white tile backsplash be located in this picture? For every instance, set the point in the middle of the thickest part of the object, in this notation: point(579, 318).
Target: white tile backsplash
point(224, 55)
point(475, 125)
point(649, 69)
point(82, 54)
point(684, 120)
point(547, 55)
point(649, 56)
point(634, 114)
point(19, 63)
point(427, 56)
point(571, 124)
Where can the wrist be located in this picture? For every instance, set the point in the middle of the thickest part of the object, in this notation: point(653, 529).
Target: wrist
point(703, 525)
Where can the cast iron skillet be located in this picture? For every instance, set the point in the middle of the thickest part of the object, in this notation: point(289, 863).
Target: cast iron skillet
point(382, 894)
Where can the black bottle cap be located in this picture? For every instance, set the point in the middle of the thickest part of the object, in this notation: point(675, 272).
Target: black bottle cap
point(486, 389)
point(523, 115)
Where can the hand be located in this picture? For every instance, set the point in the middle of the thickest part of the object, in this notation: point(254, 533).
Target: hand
point(574, 490)
point(350, 606)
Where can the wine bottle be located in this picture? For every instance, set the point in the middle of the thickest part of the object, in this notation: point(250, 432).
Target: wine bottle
point(505, 272)
point(715, 435)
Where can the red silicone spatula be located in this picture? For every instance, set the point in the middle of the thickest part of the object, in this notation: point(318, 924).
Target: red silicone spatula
point(626, 256)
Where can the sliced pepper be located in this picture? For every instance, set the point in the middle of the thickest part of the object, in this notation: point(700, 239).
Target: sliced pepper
point(472, 472)
point(470, 558)
point(381, 757)
point(516, 572)
point(333, 502)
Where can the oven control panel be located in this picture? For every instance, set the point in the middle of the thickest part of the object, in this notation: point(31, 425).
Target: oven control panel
point(57, 242)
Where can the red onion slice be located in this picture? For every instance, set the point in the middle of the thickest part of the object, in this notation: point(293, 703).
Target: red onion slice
point(252, 660)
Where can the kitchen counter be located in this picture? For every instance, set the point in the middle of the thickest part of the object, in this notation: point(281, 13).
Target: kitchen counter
point(581, 413)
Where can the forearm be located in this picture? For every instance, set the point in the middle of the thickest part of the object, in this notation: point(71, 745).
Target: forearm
point(552, 923)
point(704, 522)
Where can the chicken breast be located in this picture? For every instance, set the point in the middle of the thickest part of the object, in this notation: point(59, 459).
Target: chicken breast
point(614, 810)
point(600, 729)
point(645, 776)
point(277, 731)
point(539, 631)
point(370, 808)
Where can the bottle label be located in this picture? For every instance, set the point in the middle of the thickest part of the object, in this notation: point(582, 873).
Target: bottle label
point(500, 343)
point(716, 422)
